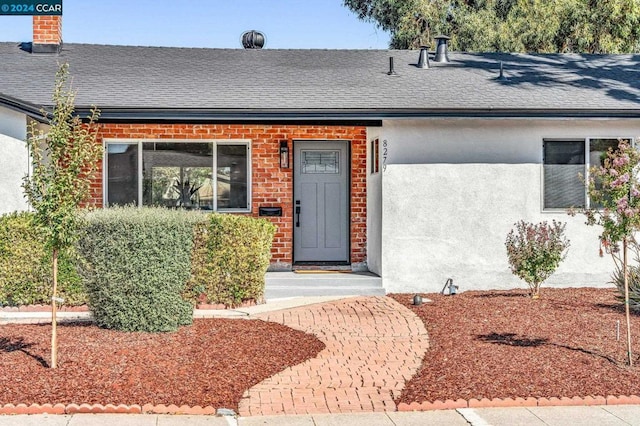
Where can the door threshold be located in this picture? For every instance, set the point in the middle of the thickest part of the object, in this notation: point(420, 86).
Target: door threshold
point(320, 267)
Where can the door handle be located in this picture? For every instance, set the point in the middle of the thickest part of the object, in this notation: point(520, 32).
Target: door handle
point(297, 213)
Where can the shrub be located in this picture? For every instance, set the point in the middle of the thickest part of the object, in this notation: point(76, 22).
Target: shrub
point(634, 284)
point(230, 259)
point(136, 264)
point(535, 251)
point(25, 266)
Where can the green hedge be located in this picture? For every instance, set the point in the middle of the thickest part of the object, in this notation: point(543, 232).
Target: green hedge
point(136, 265)
point(230, 258)
point(26, 275)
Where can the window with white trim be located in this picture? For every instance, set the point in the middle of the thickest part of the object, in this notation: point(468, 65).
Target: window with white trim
point(566, 164)
point(178, 174)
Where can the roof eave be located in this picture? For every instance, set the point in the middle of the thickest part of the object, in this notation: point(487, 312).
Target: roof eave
point(366, 117)
point(31, 110)
point(215, 116)
point(342, 115)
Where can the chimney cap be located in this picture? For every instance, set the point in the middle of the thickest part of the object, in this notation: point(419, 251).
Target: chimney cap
point(442, 37)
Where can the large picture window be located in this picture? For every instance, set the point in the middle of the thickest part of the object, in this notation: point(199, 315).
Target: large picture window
point(178, 174)
point(566, 168)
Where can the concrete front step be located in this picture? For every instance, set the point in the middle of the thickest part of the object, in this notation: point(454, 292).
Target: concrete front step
point(290, 284)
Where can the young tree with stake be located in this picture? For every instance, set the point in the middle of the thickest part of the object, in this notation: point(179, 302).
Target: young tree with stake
point(65, 159)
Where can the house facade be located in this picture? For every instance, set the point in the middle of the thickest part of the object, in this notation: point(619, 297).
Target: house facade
point(416, 174)
point(144, 163)
point(15, 159)
point(443, 210)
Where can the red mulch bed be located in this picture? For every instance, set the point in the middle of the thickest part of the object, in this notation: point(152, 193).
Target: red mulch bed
point(502, 344)
point(210, 363)
point(490, 344)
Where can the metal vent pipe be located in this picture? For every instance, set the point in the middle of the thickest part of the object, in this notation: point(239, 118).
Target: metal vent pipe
point(423, 60)
point(442, 47)
point(392, 70)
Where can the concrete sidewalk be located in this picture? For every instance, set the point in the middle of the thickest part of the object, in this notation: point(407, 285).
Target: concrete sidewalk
point(7, 317)
point(535, 416)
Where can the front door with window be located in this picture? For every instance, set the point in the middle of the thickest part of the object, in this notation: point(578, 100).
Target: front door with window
point(321, 201)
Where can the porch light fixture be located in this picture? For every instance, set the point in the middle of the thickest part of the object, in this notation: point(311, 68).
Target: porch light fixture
point(284, 155)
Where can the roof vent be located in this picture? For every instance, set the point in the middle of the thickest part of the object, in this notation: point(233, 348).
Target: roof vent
point(442, 54)
point(392, 70)
point(253, 39)
point(501, 76)
point(423, 60)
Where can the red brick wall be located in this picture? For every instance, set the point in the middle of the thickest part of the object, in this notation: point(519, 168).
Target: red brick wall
point(47, 29)
point(271, 186)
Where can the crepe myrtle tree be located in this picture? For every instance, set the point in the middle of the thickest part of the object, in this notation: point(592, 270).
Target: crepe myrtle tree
point(535, 250)
point(614, 190)
point(64, 159)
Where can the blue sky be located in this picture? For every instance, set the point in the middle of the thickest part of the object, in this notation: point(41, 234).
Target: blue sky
point(288, 24)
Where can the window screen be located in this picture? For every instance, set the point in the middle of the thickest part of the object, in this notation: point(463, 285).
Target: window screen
point(564, 163)
point(122, 174)
point(232, 177)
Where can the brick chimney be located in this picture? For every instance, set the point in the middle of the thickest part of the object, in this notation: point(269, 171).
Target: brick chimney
point(47, 34)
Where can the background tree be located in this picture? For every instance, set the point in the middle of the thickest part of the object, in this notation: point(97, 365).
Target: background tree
point(65, 158)
point(585, 26)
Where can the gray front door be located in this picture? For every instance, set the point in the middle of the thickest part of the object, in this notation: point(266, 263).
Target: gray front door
point(321, 196)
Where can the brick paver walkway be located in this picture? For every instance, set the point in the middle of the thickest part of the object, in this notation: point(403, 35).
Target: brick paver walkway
point(373, 346)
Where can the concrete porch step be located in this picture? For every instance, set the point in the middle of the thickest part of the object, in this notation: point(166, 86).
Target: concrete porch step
point(290, 284)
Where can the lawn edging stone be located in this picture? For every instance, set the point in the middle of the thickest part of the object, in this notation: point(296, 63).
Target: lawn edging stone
point(32, 409)
point(623, 400)
point(11, 409)
point(499, 403)
point(43, 308)
point(575, 401)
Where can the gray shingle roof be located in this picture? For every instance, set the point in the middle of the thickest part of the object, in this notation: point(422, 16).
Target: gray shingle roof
point(319, 81)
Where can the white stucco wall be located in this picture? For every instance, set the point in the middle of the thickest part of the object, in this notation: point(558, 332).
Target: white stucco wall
point(453, 189)
point(14, 160)
point(374, 208)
